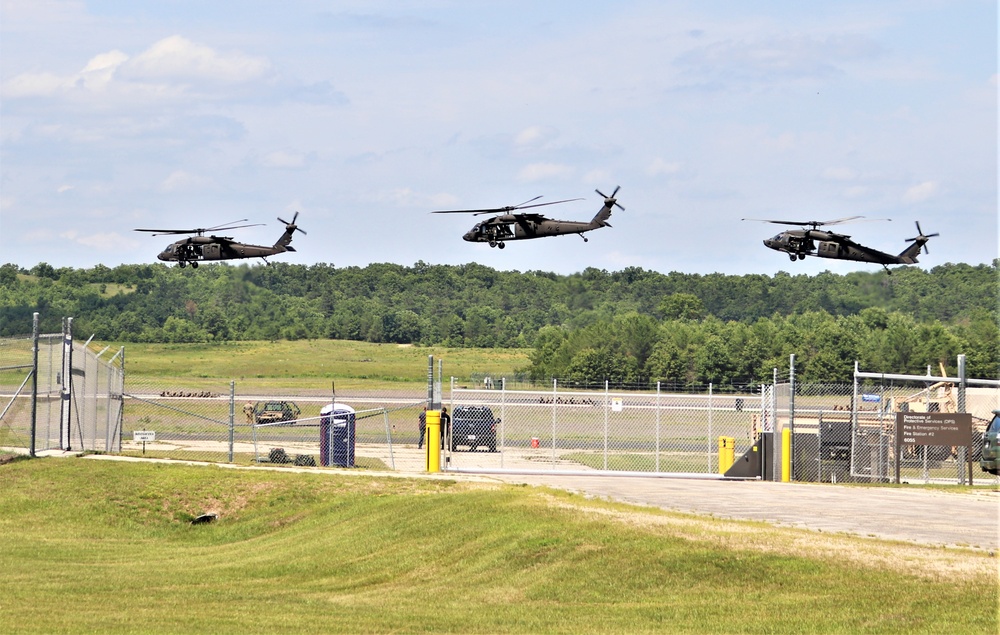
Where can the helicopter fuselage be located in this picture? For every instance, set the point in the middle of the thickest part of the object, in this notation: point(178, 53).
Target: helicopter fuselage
point(822, 244)
point(198, 248)
point(509, 227)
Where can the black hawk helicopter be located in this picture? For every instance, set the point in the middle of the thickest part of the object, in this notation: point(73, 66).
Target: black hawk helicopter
point(511, 224)
point(201, 247)
point(799, 243)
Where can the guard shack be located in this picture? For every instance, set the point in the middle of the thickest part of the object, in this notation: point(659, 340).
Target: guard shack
point(337, 430)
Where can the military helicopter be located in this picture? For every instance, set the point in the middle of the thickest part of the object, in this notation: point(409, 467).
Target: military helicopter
point(511, 224)
point(201, 247)
point(799, 243)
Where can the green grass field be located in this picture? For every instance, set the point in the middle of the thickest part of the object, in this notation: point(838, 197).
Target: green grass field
point(100, 546)
point(311, 363)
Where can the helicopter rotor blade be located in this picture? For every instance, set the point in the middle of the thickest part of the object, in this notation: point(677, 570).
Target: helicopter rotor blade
point(200, 230)
point(813, 223)
point(567, 200)
point(503, 210)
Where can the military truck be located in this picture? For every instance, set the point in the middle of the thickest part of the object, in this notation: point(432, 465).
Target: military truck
point(275, 411)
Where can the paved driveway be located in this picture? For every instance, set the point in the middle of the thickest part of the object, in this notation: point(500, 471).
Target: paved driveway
point(913, 514)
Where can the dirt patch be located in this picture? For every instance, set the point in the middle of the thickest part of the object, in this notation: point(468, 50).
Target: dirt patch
point(7, 458)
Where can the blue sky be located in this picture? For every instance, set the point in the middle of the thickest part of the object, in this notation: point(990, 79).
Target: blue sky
point(365, 116)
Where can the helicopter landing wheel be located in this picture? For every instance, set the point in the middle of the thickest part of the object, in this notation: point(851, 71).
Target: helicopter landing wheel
point(501, 245)
point(791, 257)
point(585, 239)
point(181, 264)
point(493, 243)
point(194, 265)
point(802, 256)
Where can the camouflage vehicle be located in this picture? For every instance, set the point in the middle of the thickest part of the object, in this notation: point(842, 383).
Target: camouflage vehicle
point(989, 460)
point(275, 411)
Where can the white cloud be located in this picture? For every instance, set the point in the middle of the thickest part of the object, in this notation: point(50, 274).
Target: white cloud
point(597, 177)
point(840, 174)
point(660, 167)
point(406, 197)
point(33, 85)
point(102, 241)
point(921, 192)
point(284, 159)
point(535, 136)
point(181, 181)
point(65, 188)
point(168, 67)
point(177, 58)
point(542, 171)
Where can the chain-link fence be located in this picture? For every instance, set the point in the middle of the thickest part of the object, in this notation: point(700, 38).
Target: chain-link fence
point(838, 432)
point(650, 431)
point(881, 397)
point(59, 394)
point(240, 423)
point(16, 364)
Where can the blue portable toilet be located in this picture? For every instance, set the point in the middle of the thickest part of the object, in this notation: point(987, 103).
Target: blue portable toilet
point(336, 441)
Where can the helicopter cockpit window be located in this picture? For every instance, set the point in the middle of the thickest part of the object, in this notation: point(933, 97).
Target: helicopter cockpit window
point(170, 248)
point(777, 238)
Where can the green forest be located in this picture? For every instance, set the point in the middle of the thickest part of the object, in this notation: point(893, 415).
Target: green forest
point(631, 326)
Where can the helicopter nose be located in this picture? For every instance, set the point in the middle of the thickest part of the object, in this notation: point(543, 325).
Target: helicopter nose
point(162, 256)
point(469, 236)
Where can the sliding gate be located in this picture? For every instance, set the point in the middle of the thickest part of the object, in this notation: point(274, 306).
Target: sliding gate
point(570, 430)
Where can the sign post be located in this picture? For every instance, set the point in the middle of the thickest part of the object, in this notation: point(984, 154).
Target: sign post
point(933, 428)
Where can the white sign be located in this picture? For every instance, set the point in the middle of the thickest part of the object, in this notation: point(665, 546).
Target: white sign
point(144, 435)
point(617, 404)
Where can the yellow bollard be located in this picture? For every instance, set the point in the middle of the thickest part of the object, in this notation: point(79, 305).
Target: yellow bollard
point(727, 453)
point(786, 455)
point(433, 438)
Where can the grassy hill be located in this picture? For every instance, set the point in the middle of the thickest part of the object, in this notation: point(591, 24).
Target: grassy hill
point(102, 546)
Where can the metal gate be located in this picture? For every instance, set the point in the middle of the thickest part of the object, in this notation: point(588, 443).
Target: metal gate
point(564, 429)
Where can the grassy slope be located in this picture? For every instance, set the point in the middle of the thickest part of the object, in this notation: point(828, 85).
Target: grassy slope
point(107, 547)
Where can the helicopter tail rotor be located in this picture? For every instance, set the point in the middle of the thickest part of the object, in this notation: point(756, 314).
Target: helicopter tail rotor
point(291, 227)
point(921, 238)
point(610, 200)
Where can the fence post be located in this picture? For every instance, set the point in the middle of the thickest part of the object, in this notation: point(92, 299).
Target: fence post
point(657, 426)
point(503, 418)
point(65, 414)
point(791, 415)
point(962, 450)
point(606, 405)
point(710, 427)
point(232, 417)
point(555, 395)
point(34, 381)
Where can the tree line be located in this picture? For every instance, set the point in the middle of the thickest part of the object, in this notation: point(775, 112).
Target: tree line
point(629, 326)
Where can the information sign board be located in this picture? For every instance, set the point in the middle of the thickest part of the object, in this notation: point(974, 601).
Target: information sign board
point(933, 428)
